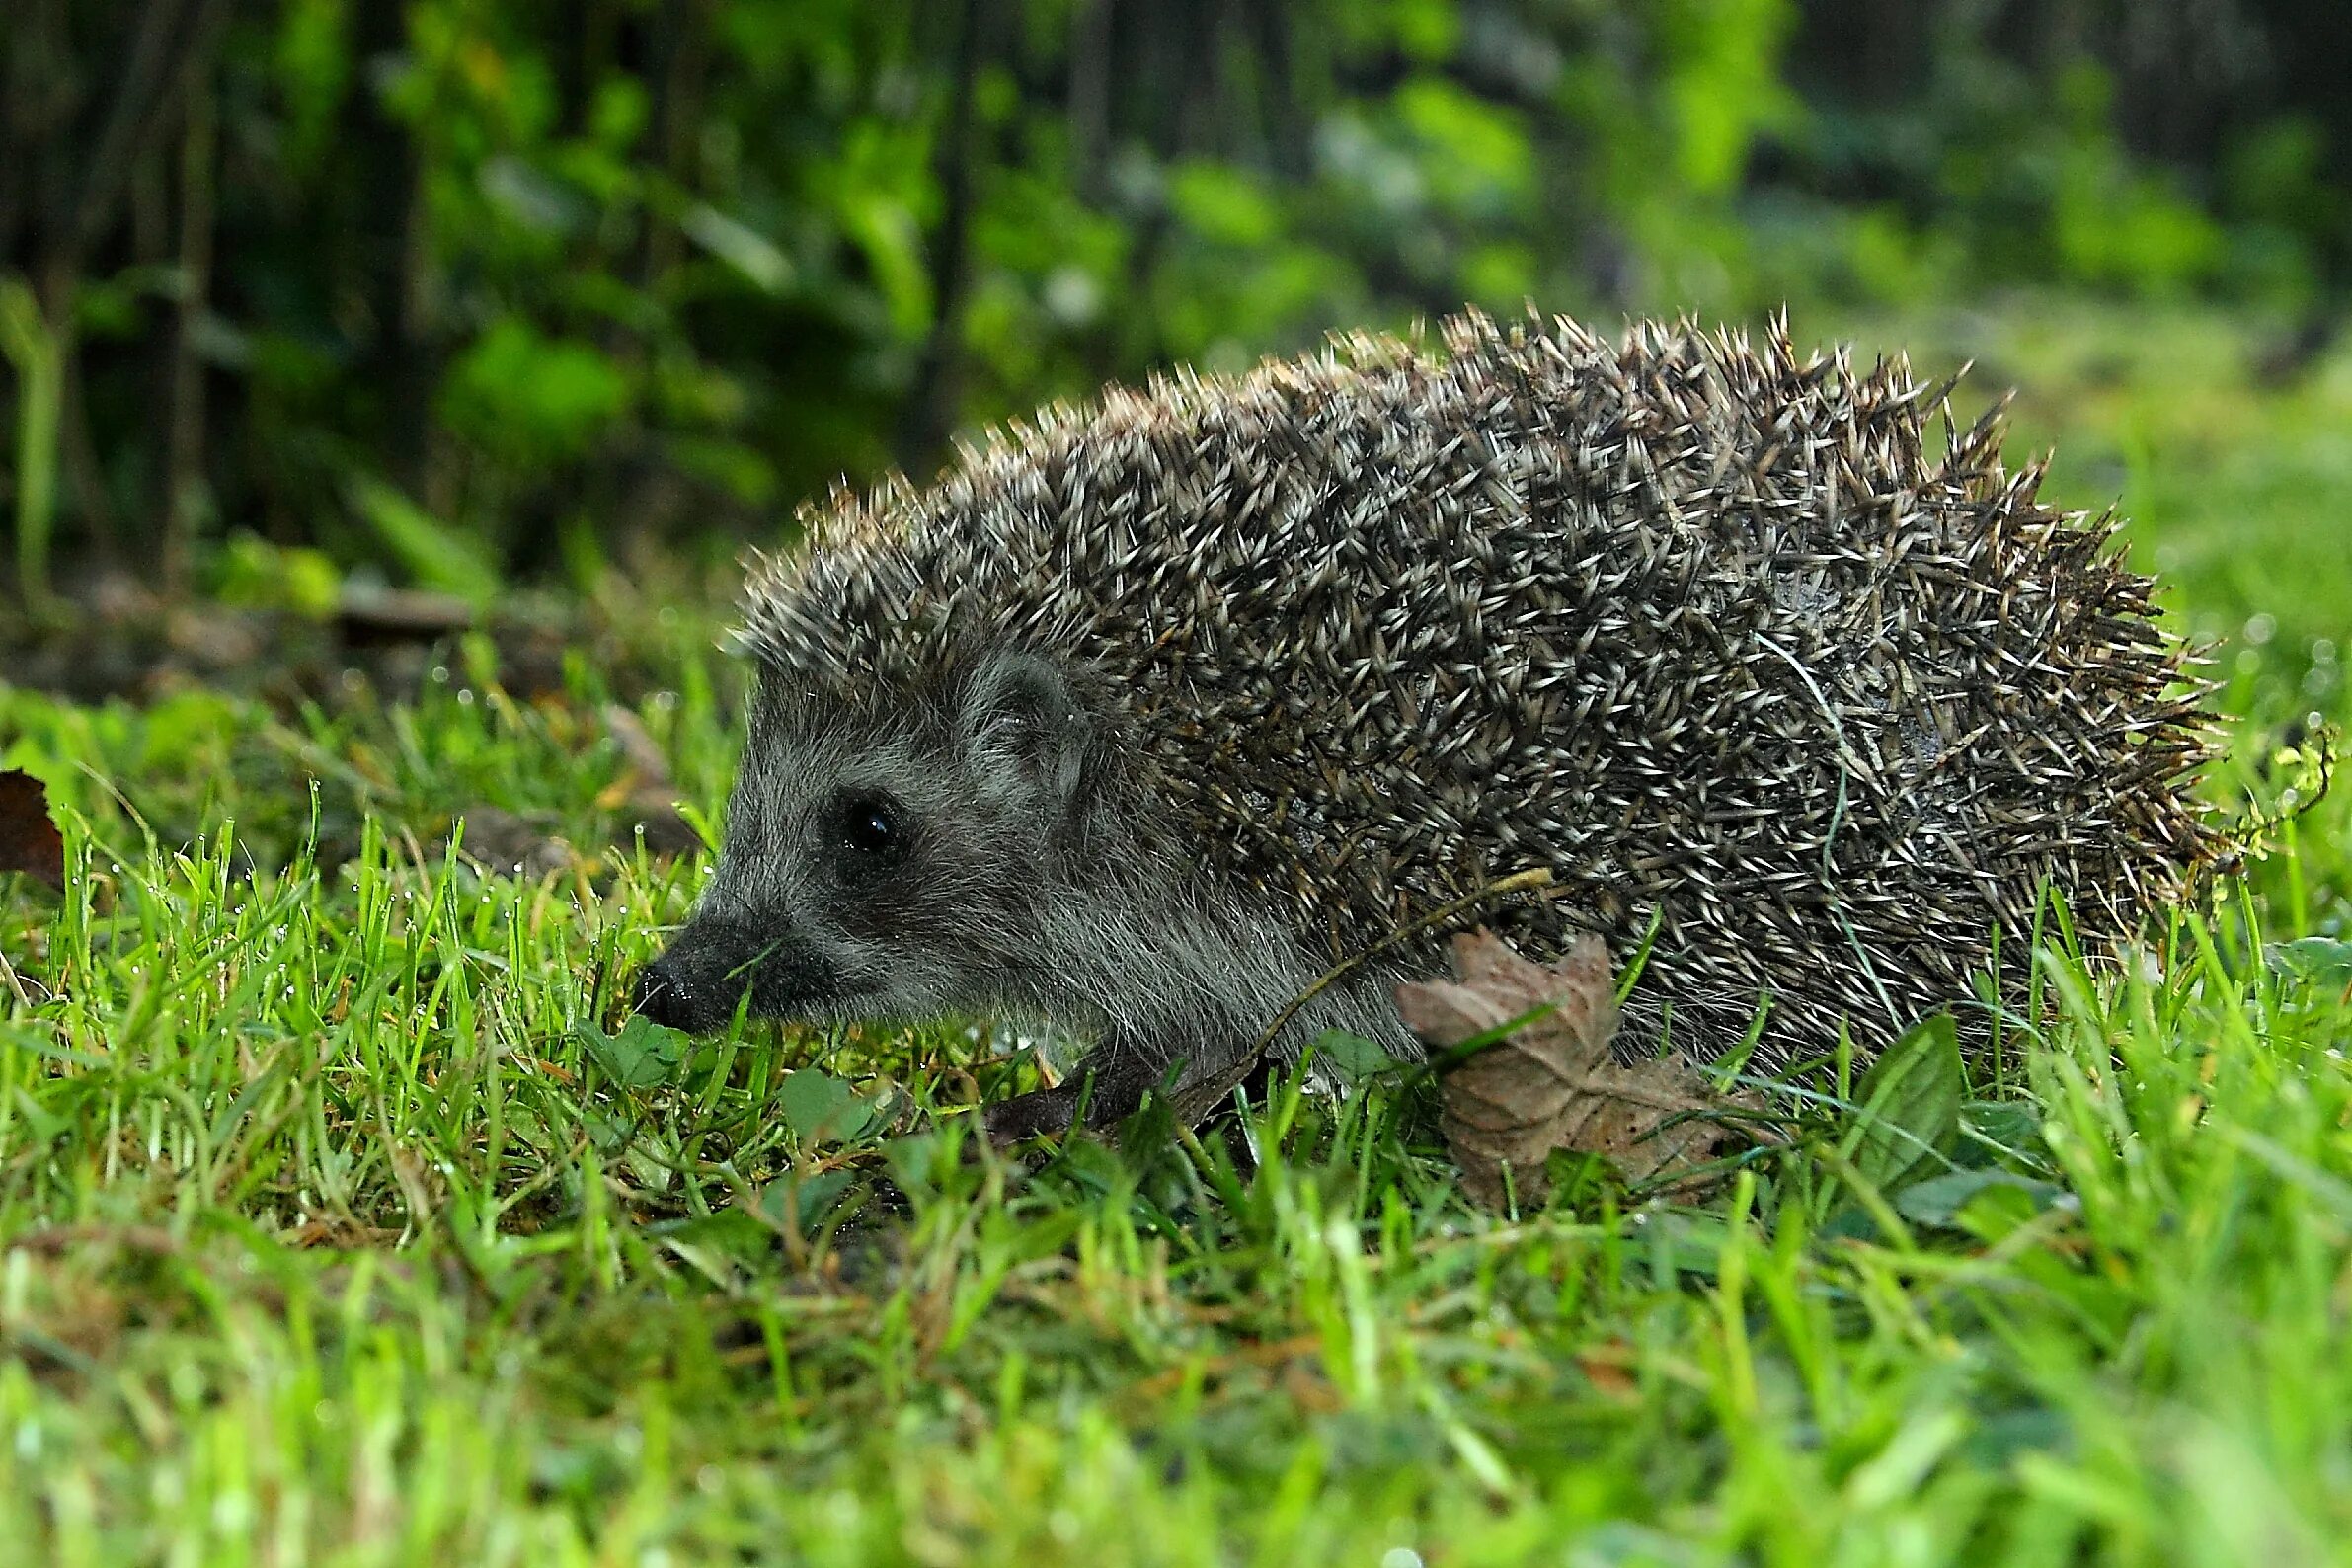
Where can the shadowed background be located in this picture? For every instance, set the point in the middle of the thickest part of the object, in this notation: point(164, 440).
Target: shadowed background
point(457, 291)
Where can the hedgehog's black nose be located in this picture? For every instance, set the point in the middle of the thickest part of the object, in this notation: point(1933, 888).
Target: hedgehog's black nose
point(662, 995)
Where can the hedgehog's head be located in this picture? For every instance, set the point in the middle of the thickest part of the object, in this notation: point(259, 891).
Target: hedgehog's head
point(890, 851)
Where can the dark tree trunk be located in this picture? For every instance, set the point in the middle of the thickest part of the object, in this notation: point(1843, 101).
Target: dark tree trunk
point(391, 248)
point(189, 500)
point(1089, 102)
point(938, 379)
point(682, 54)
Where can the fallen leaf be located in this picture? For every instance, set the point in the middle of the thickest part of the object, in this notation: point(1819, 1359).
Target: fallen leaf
point(217, 638)
point(1608, 1367)
point(1552, 1081)
point(29, 841)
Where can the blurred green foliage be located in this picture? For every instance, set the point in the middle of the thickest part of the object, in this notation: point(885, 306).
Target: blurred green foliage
point(466, 287)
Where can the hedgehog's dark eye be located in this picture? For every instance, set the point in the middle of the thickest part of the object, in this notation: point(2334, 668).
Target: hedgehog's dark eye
point(869, 826)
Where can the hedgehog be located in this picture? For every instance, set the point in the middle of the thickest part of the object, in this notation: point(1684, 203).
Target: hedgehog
point(1149, 716)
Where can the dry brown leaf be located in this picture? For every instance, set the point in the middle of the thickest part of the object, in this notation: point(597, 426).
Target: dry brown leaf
point(29, 840)
point(1553, 1082)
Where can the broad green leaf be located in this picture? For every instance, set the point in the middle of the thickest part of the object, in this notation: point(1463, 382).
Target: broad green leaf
point(918, 1160)
point(1991, 1130)
point(1352, 1058)
point(804, 1199)
point(710, 1242)
point(1994, 1212)
point(533, 399)
point(643, 1055)
point(1910, 1103)
point(1940, 1199)
point(822, 1109)
point(1223, 204)
point(2322, 960)
point(257, 571)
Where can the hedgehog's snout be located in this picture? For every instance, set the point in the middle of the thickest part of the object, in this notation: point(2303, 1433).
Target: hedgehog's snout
point(666, 995)
point(697, 984)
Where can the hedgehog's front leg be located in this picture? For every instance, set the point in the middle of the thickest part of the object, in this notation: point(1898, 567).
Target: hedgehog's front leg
point(1182, 980)
point(1109, 1087)
point(1111, 1084)
point(1032, 1115)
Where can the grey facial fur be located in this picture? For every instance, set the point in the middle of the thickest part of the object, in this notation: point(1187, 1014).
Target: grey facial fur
point(1020, 875)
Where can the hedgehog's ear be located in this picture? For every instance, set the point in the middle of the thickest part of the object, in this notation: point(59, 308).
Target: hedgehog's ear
point(1022, 729)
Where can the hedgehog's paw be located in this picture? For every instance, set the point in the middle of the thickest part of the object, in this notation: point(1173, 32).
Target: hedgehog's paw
point(1108, 1087)
point(1032, 1115)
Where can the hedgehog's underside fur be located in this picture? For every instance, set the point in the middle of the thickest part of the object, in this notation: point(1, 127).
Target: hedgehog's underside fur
point(1718, 633)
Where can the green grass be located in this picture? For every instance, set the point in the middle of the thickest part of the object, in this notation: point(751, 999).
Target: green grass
point(336, 1223)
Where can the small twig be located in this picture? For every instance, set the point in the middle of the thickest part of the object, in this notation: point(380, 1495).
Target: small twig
point(15, 983)
point(1516, 882)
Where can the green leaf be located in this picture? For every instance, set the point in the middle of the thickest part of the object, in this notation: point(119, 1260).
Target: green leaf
point(1996, 1212)
point(1223, 204)
point(892, 241)
point(43, 1125)
point(255, 572)
point(437, 555)
point(2319, 959)
point(643, 1054)
point(731, 1232)
point(740, 246)
point(1991, 1130)
point(1352, 1058)
point(1479, 156)
point(804, 1199)
point(917, 1161)
point(533, 399)
point(822, 1109)
point(1940, 1199)
point(1909, 1106)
